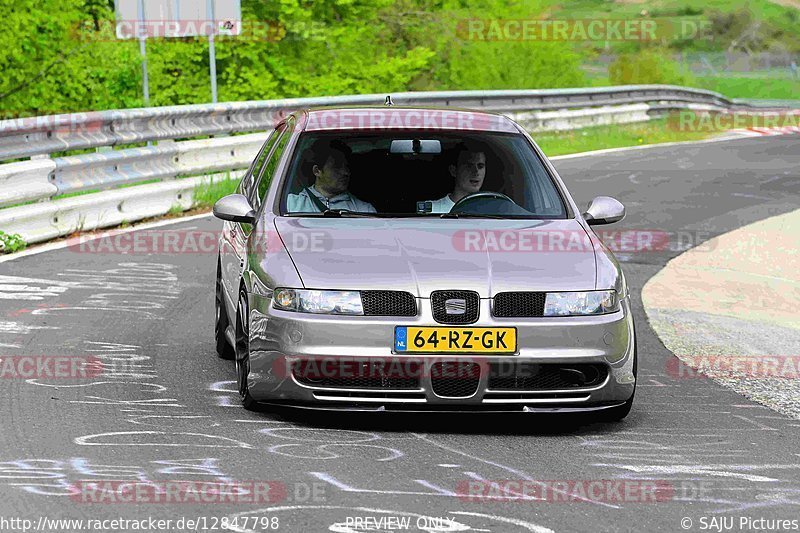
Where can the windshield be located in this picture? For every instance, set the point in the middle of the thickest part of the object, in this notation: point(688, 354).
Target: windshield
point(419, 173)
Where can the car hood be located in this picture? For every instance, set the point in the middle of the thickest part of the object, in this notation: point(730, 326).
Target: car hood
point(423, 255)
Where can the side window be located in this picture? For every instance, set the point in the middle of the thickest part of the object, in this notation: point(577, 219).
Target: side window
point(268, 172)
point(258, 162)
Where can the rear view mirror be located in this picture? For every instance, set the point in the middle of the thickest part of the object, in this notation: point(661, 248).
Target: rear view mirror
point(604, 210)
point(416, 146)
point(235, 208)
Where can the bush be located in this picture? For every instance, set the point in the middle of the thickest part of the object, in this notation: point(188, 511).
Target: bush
point(11, 243)
point(647, 66)
point(510, 65)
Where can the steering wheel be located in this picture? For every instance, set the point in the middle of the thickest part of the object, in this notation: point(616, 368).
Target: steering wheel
point(487, 195)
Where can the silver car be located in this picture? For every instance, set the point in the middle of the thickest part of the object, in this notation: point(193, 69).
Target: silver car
point(384, 258)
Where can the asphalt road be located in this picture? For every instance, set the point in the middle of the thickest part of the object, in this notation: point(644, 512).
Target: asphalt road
point(171, 413)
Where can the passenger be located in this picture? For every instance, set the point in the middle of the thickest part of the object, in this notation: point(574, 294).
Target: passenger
point(331, 179)
point(469, 170)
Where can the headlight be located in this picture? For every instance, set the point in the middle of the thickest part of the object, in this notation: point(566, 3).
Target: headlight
point(320, 302)
point(580, 303)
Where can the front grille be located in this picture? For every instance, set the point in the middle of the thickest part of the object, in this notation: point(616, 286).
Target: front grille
point(534, 376)
point(519, 304)
point(455, 307)
point(388, 303)
point(455, 379)
point(350, 374)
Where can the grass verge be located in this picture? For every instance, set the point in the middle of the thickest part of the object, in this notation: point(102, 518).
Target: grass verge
point(753, 87)
point(206, 194)
point(614, 136)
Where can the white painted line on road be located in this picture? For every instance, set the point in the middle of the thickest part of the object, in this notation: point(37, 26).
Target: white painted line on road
point(647, 147)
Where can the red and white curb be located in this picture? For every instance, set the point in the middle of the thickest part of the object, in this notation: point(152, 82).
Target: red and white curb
point(756, 132)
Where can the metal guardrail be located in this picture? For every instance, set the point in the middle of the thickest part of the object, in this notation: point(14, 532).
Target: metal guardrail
point(44, 135)
point(44, 178)
point(41, 178)
point(109, 169)
point(49, 220)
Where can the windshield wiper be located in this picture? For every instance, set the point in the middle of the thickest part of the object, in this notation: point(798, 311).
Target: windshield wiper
point(345, 212)
point(471, 215)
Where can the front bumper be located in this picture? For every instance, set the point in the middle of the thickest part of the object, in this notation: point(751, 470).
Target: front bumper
point(281, 339)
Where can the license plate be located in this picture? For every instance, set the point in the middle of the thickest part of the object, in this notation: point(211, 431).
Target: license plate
point(455, 340)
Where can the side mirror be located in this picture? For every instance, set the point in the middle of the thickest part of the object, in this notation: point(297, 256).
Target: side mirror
point(604, 210)
point(235, 208)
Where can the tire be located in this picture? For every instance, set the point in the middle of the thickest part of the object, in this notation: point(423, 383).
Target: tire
point(243, 352)
point(221, 322)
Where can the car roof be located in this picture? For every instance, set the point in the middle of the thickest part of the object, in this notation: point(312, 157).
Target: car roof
point(377, 118)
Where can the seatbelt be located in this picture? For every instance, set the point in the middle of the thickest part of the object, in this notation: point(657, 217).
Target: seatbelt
point(316, 201)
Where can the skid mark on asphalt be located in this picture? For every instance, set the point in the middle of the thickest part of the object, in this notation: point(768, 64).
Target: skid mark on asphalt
point(17, 328)
point(140, 289)
point(521, 475)
point(626, 455)
point(160, 439)
point(30, 289)
point(63, 477)
point(717, 468)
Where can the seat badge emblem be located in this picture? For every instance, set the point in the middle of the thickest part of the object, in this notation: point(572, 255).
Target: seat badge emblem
point(455, 306)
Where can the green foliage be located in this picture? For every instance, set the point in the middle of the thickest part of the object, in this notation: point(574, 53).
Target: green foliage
point(462, 62)
point(647, 66)
point(766, 87)
point(206, 194)
point(504, 65)
point(10, 243)
point(756, 28)
point(63, 56)
point(742, 25)
point(48, 67)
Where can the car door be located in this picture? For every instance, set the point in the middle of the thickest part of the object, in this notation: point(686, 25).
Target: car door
point(257, 197)
point(262, 182)
point(233, 240)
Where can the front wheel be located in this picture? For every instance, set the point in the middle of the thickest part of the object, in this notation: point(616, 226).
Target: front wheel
point(243, 352)
point(221, 322)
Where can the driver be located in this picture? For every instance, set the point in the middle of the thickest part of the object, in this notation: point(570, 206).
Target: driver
point(332, 178)
point(469, 170)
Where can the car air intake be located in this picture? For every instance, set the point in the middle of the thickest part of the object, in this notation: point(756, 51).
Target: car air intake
point(518, 304)
point(353, 374)
point(388, 303)
point(455, 307)
point(513, 376)
point(455, 379)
